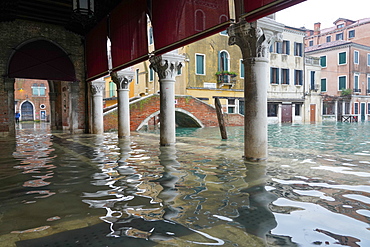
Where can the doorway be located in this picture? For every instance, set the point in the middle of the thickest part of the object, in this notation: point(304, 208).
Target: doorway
point(27, 111)
point(312, 113)
point(286, 113)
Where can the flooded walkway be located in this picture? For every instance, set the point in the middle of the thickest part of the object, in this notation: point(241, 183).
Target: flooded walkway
point(58, 189)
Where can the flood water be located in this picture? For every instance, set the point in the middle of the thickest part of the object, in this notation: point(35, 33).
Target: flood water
point(58, 189)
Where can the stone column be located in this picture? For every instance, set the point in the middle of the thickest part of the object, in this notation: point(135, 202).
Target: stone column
point(97, 89)
point(254, 40)
point(122, 80)
point(167, 66)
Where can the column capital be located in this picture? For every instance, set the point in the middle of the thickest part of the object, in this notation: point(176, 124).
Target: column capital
point(97, 87)
point(122, 78)
point(167, 65)
point(255, 39)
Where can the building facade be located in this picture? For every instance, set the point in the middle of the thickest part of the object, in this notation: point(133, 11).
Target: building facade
point(344, 52)
point(32, 99)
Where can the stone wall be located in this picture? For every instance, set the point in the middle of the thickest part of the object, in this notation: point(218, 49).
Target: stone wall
point(16, 33)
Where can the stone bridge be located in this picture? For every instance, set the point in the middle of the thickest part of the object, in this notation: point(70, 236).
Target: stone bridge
point(190, 112)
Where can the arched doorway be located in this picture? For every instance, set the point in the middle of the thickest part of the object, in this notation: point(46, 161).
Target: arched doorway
point(45, 60)
point(27, 111)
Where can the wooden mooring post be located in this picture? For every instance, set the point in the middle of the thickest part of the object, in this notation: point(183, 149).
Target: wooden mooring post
point(220, 118)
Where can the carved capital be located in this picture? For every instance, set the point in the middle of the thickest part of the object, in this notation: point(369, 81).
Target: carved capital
point(122, 78)
point(167, 65)
point(98, 87)
point(255, 39)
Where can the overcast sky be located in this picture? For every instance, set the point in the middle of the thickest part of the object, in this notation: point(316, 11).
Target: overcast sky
point(307, 13)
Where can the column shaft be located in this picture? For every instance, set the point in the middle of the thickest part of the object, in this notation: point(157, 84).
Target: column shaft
point(167, 112)
point(97, 88)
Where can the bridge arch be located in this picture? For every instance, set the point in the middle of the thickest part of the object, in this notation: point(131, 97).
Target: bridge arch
point(183, 118)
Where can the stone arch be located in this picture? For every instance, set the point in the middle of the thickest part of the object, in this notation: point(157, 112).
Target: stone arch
point(183, 119)
point(40, 59)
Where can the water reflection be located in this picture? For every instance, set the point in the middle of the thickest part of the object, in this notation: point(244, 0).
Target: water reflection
point(114, 192)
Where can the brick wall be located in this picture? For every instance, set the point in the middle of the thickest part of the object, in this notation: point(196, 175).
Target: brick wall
point(141, 109)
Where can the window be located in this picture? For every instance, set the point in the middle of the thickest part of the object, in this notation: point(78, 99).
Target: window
point(199, 64)
point(150, 36)
point(368, 108)
point(42, 115)
point(279, 47)
point(285, 76)
point(356, 57)
point(368, 59)
point(272, 109)
point(323, 61)
point(342, 83)
point(111, 89)
point(137, 76)
point(223, 61)
point(351, 34)
point(38, 90)
point(340, 25)
point(339, 36)
point(342, 58)
point(286, 47)
point(311, 43)
point(368, 84)
point(231, 108)
point(241, 68)
point(151, 74)
point(298, 49)
point(224, 32)
point(298, 77)
point(355, 108)
point(323, 85)
point(356, 83)
point(328, 38)
point(297, 110)
point(312, 80)
point(274, 76)
point(328, 108)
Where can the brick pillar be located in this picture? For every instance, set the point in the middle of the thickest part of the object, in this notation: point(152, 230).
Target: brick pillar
point(97, 89)
point(254, 40)
point(9, 114)
point(53, 97)
point(167, 66)
point(122, 80)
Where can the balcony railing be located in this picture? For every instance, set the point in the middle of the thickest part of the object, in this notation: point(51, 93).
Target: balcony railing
point(226, 79)
point(357, 90)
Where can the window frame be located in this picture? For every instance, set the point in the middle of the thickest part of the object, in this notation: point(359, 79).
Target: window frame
point(285, 76)
point(321, 58)
point(196, 63)
point(272, 109)
point(274, 76)
point(356, 108)
point(241, 69)
point(345, 81)
point(339, 54)
point(286, 47)
point(356, 59)
point(350, 33)
point(328, 38)
point(298, 49)
point(356, 75)
point(339, 36)
point(321, 84)
point(299, 81)
point(368, 59)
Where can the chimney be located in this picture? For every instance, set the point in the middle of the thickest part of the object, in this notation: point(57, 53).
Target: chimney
point(316, 28)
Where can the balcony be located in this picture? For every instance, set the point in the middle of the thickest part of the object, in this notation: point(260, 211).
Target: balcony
point(226, 78)
point(356, 91)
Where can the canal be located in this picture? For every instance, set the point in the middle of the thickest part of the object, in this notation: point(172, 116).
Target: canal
point(58, 189)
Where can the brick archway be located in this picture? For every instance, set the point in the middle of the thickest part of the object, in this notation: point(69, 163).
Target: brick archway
point(41, 59)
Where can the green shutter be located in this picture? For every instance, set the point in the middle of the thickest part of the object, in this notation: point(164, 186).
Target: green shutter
point(323, 85)
point(342, 82)
point(323, 61)
point(241, 69)
point(200, 64)
point(342, 58)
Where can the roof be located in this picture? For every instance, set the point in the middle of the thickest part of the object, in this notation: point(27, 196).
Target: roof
point(333, 28)
point(327, 45)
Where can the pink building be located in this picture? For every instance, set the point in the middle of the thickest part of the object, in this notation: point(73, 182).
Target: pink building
point(344, 52)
